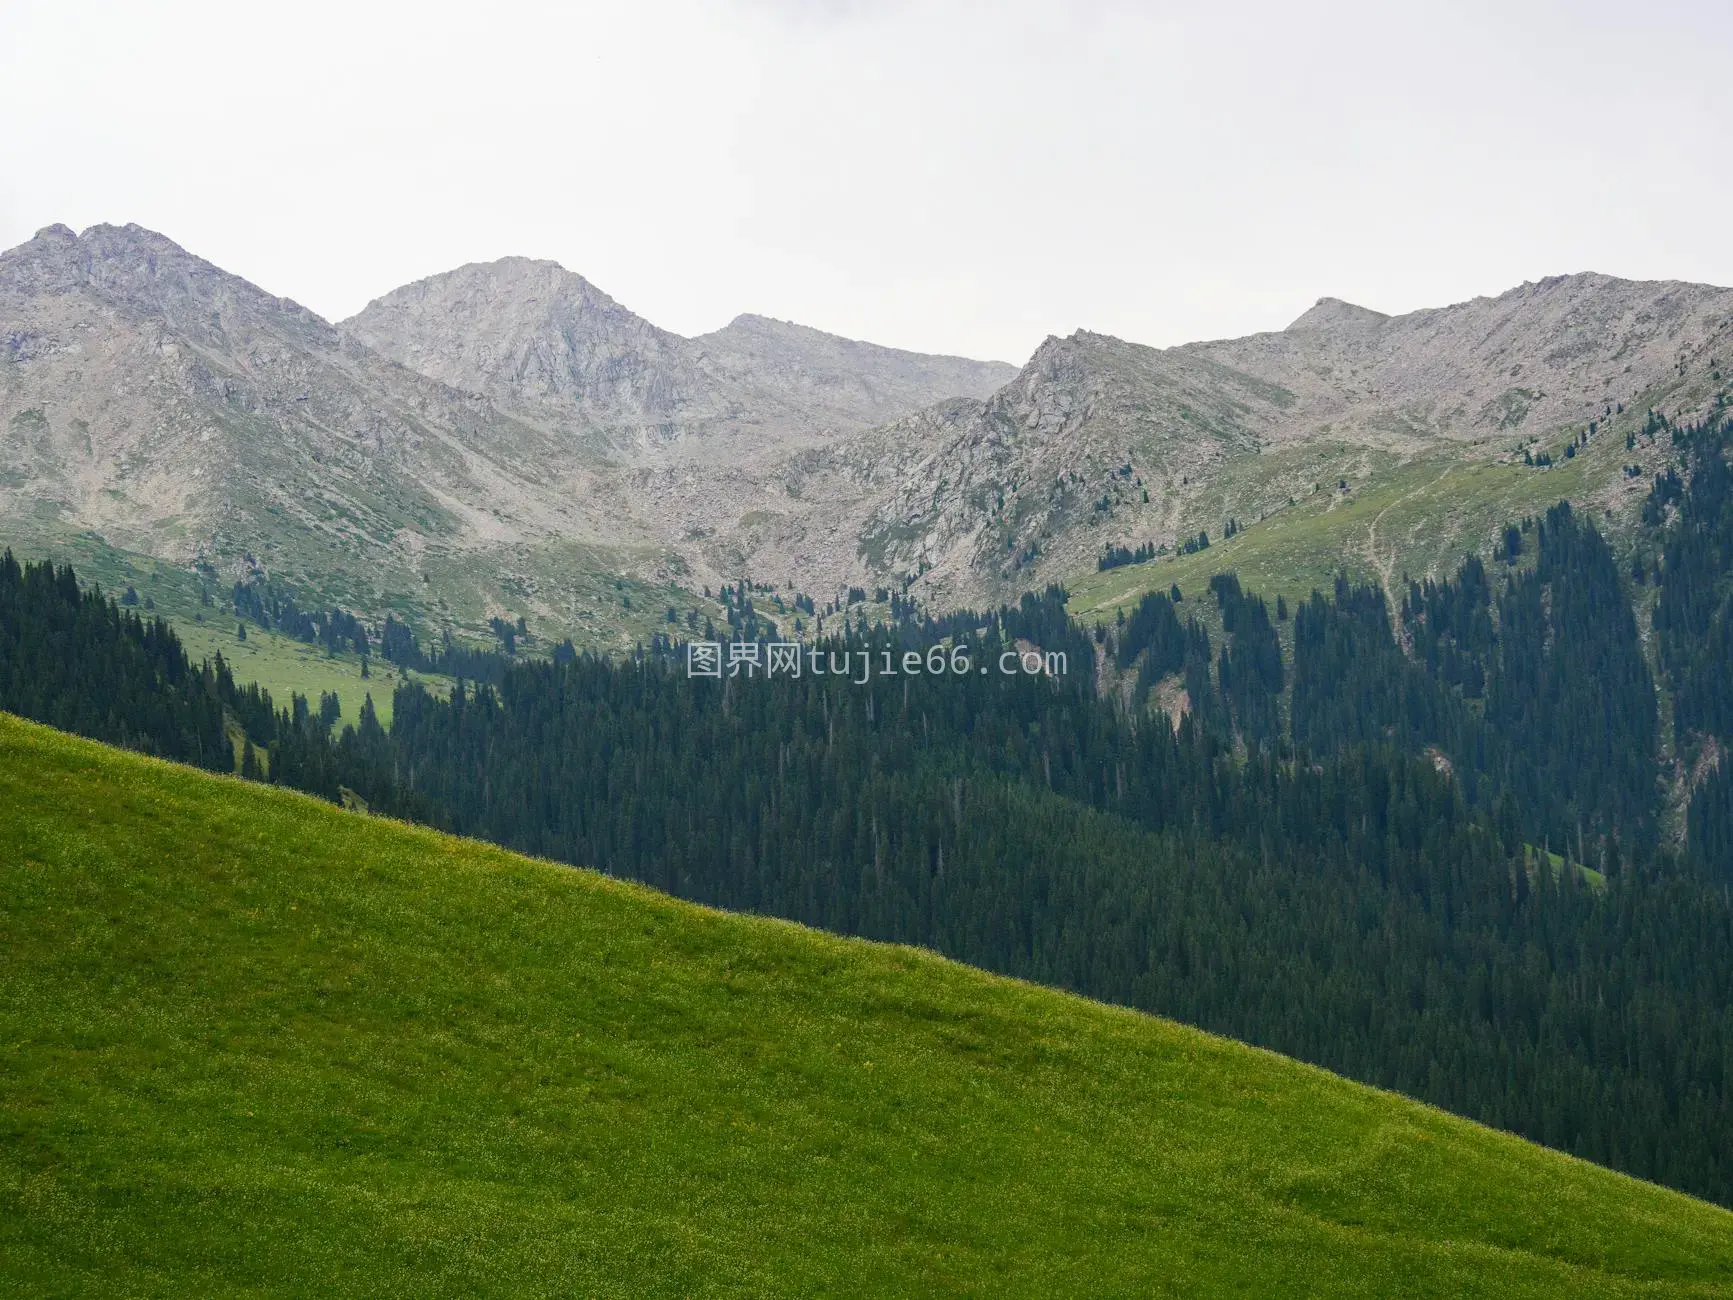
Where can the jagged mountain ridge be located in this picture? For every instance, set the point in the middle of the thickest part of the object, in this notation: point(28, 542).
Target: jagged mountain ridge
point(536, 337)
point(472, 443)
point(177, 411)
point(149, 395)
point(1030, 484)
point(1543, 354)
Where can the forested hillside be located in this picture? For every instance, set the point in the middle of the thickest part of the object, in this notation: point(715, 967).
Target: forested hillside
point(1429, 847)
point(1694, 623)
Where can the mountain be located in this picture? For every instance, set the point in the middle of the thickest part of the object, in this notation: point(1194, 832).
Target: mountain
point(534, 336)
point(256, 1043)
point(181, 412)
point(1561, 351)
point(1100, 442)
point(171, 410)
point(506, 440)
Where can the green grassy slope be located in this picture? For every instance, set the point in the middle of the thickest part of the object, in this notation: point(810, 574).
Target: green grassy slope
point(1416, 518)
point(278, 663)
point(283, 665)
point(587, 598)
point(250, 1044)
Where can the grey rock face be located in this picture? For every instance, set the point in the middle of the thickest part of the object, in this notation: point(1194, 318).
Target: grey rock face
point(846, 384)
point(469, 434)
point(1538, 356)
point(1031, 483)
point(183, 412)
point(536, 337)
point(1334, 314)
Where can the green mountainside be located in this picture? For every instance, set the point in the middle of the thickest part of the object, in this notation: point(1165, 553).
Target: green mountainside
point(1415, 519)
point(256, 1045)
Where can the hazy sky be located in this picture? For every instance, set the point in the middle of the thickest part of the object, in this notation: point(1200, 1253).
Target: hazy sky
point(949, 177)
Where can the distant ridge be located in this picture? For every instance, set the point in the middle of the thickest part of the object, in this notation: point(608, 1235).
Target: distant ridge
point(534, 335)
point(506, 438)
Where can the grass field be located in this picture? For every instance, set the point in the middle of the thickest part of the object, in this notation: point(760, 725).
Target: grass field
point(564, 588)
point(253, 1045)
point(283, 665)
point(1418, 518)
point(280, 664)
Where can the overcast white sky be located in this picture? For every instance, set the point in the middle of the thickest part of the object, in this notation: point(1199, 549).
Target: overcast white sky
point(949, 177)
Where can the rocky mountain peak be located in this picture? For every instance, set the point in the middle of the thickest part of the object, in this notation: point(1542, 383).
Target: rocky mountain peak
point(1333, 313)
point(150, 277)
point(525, 331)
point(537, 337)
point(751, 323)
point(523, 292)
point(1058, 351)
